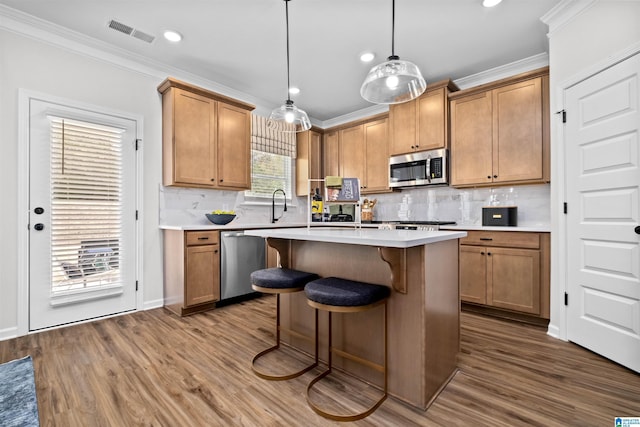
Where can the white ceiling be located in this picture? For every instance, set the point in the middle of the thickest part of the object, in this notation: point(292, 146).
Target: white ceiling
point(241, 44)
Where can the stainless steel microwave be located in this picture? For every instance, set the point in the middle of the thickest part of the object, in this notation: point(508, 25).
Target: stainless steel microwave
point(421, 168)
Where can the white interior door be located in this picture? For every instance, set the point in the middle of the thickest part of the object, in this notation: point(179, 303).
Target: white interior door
point(82, 208)
point(603, 182)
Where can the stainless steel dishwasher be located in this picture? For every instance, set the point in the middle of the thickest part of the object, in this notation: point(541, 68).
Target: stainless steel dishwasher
point(241, 255)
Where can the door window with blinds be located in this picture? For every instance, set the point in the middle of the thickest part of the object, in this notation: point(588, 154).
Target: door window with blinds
point(86, 205)
point(272, 157)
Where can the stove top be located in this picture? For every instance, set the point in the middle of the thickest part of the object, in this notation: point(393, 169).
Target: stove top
point(416, 222)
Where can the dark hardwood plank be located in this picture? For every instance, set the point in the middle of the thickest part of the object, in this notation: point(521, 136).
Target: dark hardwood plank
point(153, 368)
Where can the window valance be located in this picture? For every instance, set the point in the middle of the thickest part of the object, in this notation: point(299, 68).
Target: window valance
point(270, 141)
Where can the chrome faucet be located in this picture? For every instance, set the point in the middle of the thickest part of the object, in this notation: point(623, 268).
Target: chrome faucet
point(273, 205)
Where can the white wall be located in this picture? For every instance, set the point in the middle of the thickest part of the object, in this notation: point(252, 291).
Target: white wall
point(36, 66)
point(577, 47)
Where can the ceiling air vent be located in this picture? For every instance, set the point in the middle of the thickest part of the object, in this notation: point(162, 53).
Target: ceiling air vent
point(143, 36)
point(119, 26)
point(130, 31)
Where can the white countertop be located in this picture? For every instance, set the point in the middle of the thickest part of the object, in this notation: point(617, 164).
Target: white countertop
point(361, 236)
point(233, 225)
point(530, 228)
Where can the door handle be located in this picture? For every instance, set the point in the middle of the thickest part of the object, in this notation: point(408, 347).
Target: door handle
point(637, 229)
point(39, 226)
point(38, 211)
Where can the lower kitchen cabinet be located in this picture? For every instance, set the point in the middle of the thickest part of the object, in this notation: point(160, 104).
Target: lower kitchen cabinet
point(506, 270)
point(191, 270)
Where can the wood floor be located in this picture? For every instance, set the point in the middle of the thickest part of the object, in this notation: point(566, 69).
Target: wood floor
point(153, 368)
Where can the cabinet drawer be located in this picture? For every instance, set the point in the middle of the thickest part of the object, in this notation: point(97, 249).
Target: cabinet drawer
point(511, 239)
point(202, 238)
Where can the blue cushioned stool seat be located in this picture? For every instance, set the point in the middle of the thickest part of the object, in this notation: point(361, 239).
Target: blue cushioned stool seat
point(345, 293)
point(281, 278)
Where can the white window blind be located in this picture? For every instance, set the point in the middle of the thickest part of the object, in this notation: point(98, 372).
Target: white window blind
point(86, 204)
point(272, 155)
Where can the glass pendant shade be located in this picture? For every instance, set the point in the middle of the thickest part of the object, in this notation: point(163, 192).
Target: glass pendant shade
point(393, 82)
point(288, 118)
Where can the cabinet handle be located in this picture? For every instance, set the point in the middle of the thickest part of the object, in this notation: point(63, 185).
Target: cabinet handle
point(481, 253)
point(213, 179)
point(203, 238)
point(488, 253)
point(495, 176)
point(413, 146)
point(486, 238)
point(215, 252)
point(488, 176)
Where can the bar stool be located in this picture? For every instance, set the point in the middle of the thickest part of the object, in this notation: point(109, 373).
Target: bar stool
point(333, 294)
point(280, 281)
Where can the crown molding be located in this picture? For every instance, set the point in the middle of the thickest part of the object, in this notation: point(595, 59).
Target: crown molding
point(61, 37)
point(564, 12)
point(356, 115)
point(527, 64)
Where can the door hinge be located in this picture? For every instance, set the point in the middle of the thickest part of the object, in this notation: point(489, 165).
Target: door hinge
point(565, 207)
point(137, 214)
point(137, 287)
point(138, 142)
point(566, 298)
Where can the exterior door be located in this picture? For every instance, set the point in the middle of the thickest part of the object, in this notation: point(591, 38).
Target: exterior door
point(603, 183)
point(82, 209)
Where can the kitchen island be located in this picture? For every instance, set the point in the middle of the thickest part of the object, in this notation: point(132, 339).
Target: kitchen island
point(423, 310)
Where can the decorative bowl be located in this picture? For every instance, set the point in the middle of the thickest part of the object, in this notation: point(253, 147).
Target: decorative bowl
point(220, 219)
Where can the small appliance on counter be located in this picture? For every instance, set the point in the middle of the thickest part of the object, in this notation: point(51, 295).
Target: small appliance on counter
point(506, 216)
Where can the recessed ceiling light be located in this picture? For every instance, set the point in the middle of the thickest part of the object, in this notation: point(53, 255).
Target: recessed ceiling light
point(367, 57)
point(172, 36)
point(294, 90)
point(490, 3)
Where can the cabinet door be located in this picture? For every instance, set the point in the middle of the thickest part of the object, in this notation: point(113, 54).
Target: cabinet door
point(473, 273)
point(202, 283)
point(376, 139)
point(194, 131)
point(471, 140)
point(517, 132)
point(432, 120)
point(402, 120)
point(514, 279)
point(332, 154)
point(308, 161)
point(352, 153)
point(234, 147)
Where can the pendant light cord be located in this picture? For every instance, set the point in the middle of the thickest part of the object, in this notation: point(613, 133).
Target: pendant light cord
point(286, 8)
point(393, 27)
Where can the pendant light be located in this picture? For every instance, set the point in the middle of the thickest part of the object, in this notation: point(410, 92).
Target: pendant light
point(393, 81)
point(288, 117)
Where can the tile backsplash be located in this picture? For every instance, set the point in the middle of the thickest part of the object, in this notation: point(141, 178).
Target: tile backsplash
point(187, 206)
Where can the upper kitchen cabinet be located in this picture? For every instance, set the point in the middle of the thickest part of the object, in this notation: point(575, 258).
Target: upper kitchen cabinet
point(422, 124)
point(206, 138)
point(360, 149)
point(500, 132)
point(331, 153)
point(308, 160)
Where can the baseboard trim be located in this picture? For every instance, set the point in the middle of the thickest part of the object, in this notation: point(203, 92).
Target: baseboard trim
point(8, 333)
point(150, 305)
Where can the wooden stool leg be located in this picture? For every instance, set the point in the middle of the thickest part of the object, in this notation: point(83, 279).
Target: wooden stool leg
point(277, 346)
